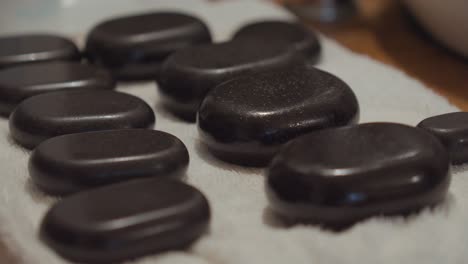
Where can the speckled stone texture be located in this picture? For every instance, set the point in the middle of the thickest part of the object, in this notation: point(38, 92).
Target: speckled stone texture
point(336, 177)
point(247, 119)
point(188, 75)
point(243, 228)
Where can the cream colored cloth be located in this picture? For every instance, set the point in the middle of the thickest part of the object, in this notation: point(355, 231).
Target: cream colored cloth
point(243, 231)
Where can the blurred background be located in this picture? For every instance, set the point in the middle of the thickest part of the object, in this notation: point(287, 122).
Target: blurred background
point(427, 39)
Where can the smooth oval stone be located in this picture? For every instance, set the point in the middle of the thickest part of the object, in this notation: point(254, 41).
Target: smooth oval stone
point(296, 35)
point(71, 163)
point(189, 74)
point(19, 49)
point(336, 177)
point(246, 120)
point(21, 82)
point(452, 130)
point(125, 221)
point(53, 114)
point(134, 47)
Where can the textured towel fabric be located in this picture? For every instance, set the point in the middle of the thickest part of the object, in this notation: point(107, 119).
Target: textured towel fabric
point(243, 230)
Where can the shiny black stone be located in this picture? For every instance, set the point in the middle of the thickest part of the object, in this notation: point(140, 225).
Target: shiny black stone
point(71, 163)
point(452, 130)
point(125, 221)
point(21, 82)
point(19, 49)
point(53, 114)
point(188, 75)
point(246, 120)
point(335, 177)
point(296, 35)
point(134, 47)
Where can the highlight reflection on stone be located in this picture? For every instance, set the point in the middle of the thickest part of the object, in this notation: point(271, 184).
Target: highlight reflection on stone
point(246, 120)
point(336, 177)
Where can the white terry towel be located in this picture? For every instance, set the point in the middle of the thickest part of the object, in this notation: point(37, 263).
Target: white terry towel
point(243, 231)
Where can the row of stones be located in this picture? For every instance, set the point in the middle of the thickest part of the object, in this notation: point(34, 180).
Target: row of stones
point(251, 96)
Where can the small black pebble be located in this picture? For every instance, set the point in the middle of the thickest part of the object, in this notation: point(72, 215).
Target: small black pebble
point(126, 220)
point(71, 163)
point(246, 120)
point(452, 130)
point(134, 47)
point(335, 177)
point(53, 114)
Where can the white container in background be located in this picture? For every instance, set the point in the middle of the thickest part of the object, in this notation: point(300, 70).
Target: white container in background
point(446, 20)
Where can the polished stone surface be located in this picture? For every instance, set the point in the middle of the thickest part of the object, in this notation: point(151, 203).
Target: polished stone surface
point(21, 82)
point(246, 120)
point(71, 163)
point(293, 34)
point(134, 47)
point(126, 221)
point(452, 130)
point(53, 114)
point(335, 177)
point(188, 75)
point(20, 49)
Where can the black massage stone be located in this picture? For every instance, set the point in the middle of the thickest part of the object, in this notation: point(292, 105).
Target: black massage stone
point(125, 221)
point(20, 82)
point(452, 130)
point(188, 75)
point(296, 35)
point(335, 177)
point(246, 120)
point(134, 47)
point(19, 49)
point(53, 114)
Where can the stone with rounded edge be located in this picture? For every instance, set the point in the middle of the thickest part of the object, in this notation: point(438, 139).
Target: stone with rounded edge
point(336, 177)
point(188, 75)
point(246, 120)
point(452, 130)
point(54, 114)
point(71, 163)
point(125, 221)
point(133, 47)
point(296, 35)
